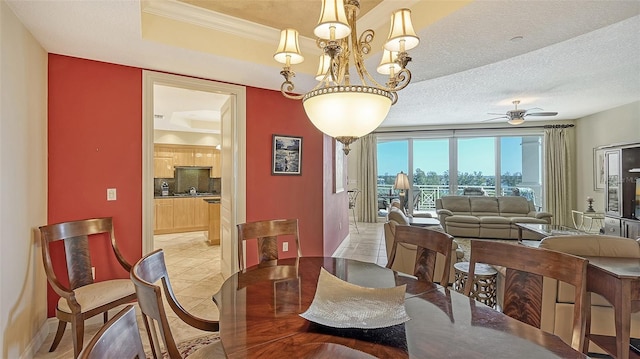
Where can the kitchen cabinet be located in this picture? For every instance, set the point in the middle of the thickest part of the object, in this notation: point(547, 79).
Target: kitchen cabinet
point(214, 223)
point(175, 215)
point(163, 210)
point(163, 162)
point(183, 214)
point(166, 157)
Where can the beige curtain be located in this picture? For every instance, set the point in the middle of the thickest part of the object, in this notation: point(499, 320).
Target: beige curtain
point(368, 179)
point(559, 173)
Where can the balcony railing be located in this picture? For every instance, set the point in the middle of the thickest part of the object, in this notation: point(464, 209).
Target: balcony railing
point(426, 196)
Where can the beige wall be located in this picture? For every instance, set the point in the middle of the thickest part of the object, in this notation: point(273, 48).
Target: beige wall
point(23, 187)
point(618, 125)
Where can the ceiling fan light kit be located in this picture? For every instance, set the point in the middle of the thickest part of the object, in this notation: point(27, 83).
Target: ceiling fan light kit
point(335, 106)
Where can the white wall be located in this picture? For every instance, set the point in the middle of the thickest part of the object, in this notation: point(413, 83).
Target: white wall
point(618, 125)
point(23, 187)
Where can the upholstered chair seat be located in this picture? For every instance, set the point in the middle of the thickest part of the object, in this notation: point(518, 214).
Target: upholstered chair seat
point(94, 295)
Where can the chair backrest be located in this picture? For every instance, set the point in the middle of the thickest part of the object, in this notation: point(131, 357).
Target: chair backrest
point(118, 338)
point(353, 197)
point(75, 236)
point(147, 271)
point(429, 243)
point(525, 268)
point(266, 233)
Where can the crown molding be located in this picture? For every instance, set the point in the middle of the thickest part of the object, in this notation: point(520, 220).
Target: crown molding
point(187, 13)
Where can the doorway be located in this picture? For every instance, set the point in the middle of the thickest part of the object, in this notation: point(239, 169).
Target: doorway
point(233, 162)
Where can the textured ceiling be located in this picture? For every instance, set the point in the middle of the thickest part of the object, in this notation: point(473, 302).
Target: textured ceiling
point(575, 57)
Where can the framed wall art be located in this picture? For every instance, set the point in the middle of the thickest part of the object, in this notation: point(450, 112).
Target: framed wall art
point(286, 157)
point(338, 167)
point(598, 169)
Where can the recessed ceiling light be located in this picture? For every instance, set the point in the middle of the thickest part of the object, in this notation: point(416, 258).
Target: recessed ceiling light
point(516, 38)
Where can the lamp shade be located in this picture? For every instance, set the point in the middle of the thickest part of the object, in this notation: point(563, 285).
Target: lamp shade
point(288, 48)
point(332, 16)
point(402, 181)
point(347, 111)
point(388, 64)
point(401, 35)
point(323, 67)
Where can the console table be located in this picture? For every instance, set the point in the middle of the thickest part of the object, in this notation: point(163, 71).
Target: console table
point(589, 222)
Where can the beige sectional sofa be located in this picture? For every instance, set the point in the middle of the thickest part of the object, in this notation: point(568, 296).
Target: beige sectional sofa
point(557, 299)
point(488, 217)
point(406, 253)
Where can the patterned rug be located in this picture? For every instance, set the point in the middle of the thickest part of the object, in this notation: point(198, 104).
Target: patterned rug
point(465, 244)
point(188, 347)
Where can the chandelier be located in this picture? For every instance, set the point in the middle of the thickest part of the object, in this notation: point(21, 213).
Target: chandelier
point(336, 106)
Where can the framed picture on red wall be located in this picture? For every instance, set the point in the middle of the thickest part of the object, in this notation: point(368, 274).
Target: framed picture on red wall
point(286, 157)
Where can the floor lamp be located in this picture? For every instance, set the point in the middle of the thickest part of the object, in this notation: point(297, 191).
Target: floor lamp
point(402, 184)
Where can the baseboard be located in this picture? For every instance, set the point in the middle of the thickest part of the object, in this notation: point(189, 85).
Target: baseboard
point(37, 341)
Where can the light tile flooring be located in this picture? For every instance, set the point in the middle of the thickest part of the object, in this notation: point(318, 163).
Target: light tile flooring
point(194, 270)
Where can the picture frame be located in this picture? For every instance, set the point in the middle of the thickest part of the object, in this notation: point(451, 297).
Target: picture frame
point(286, 155)
point(338, 167)
point(598, 169)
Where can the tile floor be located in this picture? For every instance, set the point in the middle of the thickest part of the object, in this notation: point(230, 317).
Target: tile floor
point(193, 267)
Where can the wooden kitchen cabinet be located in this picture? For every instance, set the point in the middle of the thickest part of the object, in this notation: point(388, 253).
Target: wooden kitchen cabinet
point(162, 162)
point(202, 212)
point(216, 166)
point(214, 223)
point(183, 213)
point(166, 157)
point(183, 156)
point(163, 220)
point(203, 156)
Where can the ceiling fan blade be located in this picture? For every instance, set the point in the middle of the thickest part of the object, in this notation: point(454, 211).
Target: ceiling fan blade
point(497, 114)
point(542, 114)
point(495, 118)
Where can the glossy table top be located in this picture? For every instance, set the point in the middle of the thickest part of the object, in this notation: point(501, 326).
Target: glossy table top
point(259, 319)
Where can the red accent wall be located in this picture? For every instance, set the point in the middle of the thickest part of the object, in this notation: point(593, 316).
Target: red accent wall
point(275, 197)
point(95, 143)
point(336, 205)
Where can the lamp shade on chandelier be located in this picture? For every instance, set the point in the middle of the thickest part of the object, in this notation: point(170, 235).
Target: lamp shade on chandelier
point(336, 106)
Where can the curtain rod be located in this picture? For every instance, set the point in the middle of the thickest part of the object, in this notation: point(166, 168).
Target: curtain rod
point(473, 129)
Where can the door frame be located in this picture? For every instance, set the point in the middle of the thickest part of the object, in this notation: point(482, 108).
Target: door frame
point(234, 160)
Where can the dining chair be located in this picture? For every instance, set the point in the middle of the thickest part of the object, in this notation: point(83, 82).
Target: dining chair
point(118, 338)
point(144, 274)
point(525, 268)
point(429, 243)
point(82, 297)
point(266, 233)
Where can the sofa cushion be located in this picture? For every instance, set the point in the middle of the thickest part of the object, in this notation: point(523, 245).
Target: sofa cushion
point(463, 220)
point(395, 214)
point(513, 206)
point(515, 220)
point(593, 246)
point(484, 206)
point(495, 222)
point(456, 204)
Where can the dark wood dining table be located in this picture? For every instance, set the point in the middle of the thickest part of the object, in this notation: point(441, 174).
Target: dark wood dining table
point(260, 307)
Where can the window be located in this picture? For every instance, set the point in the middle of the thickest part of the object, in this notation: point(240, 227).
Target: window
point(487, 165)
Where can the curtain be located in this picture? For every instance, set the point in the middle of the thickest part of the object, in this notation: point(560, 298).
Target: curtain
point(368, 179)
point(559, 173)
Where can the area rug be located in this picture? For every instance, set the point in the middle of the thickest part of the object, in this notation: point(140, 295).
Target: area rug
point(465, 244)
point(188, 347)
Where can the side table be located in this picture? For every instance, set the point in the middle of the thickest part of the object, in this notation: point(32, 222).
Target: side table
point(484, 286)
point(589, 222)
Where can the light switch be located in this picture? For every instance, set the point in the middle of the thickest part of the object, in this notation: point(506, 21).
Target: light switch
point(111, 194)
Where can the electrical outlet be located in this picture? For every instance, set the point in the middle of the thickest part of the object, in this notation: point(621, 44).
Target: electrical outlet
point(285, 246)
point(93, 272)
point(111, 194)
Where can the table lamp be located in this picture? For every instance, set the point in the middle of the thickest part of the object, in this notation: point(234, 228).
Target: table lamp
point(402, 183)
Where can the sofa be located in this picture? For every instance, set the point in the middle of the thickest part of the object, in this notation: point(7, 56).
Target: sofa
point(557, 298)
point(406, 253)
point(488, 217)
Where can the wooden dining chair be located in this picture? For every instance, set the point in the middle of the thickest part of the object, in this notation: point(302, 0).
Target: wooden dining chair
point(82, 297)
point(118, 338)
point(266, 233)
point(429, 243)
point(525, 268)
point(144, 274)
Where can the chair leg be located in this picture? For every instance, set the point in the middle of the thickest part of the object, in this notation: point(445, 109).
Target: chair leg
point(62, 325)
point(77, 329)
point(105, 316)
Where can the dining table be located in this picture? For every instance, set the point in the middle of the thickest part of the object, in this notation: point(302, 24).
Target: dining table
point(260, 317)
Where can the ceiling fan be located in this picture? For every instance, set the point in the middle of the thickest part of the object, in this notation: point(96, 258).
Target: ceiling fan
point(516, 117)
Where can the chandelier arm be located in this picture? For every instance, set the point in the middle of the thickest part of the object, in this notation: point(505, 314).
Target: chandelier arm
point(288, 87)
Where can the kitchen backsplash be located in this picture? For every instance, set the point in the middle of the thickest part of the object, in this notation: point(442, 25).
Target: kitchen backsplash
point(187, 178)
